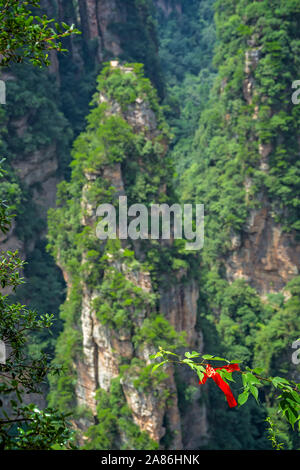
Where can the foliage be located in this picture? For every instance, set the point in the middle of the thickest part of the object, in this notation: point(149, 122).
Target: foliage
point(22, 37)
point(120, 302)
point(212, 168)
point(235, 127)
point(110, 269)
point(21, 374)
point(43, 291)
point(143, 381)
point(138, 39)
point(40, 430)
point(287, 391)
point(26, 36)
point(186, 42)
point(224, 169)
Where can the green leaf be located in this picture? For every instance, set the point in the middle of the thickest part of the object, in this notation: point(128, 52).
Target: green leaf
point(254, 392)
point(258, 370)
point(207, 356)
point(215, 358)
point(169, 352)
point(226, 375)
point(243, 397)
point(296, 396)
point(154, 368)
point(200, 374)
point(249, 379)
point(292, 415)
point(191, 355)
point(279, 381)
point(155, 356)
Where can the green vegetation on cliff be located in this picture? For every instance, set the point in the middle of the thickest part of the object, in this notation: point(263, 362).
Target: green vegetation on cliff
point(245, 156)
point(108, 270)
point(232, 133)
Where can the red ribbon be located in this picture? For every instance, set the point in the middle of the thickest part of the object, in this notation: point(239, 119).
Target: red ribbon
point(211, 372)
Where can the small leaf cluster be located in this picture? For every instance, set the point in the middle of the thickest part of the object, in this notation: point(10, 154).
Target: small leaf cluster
point(26, 36)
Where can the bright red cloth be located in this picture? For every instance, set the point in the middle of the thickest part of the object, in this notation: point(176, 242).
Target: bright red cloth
point(211, 372)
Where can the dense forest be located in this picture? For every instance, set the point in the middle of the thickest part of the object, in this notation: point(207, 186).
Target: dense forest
point(159, 102)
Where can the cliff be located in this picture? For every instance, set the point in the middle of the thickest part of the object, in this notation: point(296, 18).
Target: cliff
point(35, 137)
point(169, 6)
point(263, 253)
point(45, 109)
point(133, 298)
point(245, 170)
point(246, 147)
point(126, 298)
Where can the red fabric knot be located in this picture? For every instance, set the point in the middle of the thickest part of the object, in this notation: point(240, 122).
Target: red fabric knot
point(211, 372)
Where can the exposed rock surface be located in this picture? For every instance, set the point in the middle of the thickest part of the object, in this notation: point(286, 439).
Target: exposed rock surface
point(104, 347)
point(169, 6)
point(262, 253)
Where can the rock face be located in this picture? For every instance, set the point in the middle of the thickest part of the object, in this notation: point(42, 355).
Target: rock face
point(105, 348)
point(179, 305)
point(38, 170)
point(262, 254)
point(95, 18)
point(169, 6)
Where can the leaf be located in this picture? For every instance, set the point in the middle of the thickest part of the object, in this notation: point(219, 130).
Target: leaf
point(207, 356)
point(154, 368)
point(200, 372)
point(250, 379)
point(243, 397)
point(226, 375)
point(200, 375)
point(155, 356)
point(279, 381)
point(191, 355)
point(258, 370)
point(254, 392)
point(292, 415)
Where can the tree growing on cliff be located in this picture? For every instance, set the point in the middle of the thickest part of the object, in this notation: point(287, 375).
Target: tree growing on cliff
point(23, 426)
